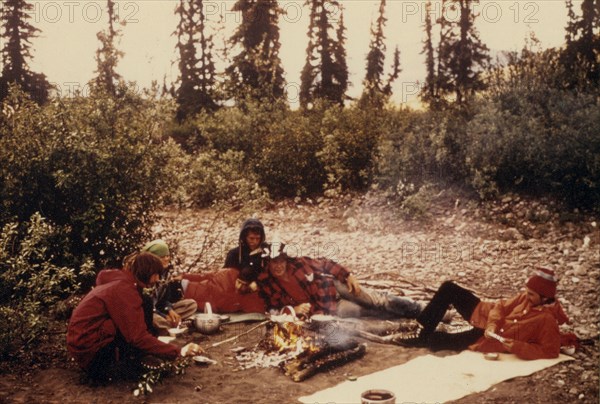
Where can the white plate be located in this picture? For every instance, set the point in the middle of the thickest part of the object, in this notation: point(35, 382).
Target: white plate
point(203, 360)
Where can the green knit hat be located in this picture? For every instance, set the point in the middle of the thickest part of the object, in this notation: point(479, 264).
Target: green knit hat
point(158, 248)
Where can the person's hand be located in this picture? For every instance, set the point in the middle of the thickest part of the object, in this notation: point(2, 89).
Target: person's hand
point(173, 318)
point(508, 344)
point(191, 349)
point(353, 286)
point(242, 287)
point(302, 309)
point(489, 329)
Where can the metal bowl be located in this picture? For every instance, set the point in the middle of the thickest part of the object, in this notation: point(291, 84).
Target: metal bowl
point(207, 322)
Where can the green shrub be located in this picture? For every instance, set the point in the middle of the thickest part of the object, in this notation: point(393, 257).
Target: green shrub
point(223, 179)
point(416, 205)
point(287, 164)
point(31, 282)
point(350, 137)
point(277, 149)
point(405, 154)
point(552, 147)
point(20, 329)
point(95, 166)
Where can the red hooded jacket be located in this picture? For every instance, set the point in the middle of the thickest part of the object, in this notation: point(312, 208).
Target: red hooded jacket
point(218, 288)
point(534, 329)
point(114, 304)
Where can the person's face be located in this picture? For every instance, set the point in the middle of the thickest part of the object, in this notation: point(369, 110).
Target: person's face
point(154, 279)
point(534, 298)
point(278, 267)
point(166, 260)
point(253, 240)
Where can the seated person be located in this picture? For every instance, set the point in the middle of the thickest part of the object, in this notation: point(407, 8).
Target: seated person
point(527, 323)
point(169, 308)
point(246, 257)
point(107, 335)
point(320, 285)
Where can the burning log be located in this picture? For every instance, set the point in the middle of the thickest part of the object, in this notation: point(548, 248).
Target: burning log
point(300, 369)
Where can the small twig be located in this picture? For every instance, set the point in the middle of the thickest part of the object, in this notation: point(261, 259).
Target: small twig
point(239, 335)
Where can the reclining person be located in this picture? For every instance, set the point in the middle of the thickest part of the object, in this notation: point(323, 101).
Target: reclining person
point(107, 334)
point(525, 325)
point(219, 289)
point(313, 286)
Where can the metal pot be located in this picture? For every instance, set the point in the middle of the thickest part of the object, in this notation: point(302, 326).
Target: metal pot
point(207, 322)
point(286, 315)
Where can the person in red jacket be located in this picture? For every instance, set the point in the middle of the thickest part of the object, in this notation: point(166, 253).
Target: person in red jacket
point(107, 332)
point(219, 289)
point(525, 325)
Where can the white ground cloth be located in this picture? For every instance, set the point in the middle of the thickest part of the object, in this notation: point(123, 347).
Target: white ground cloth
point(432, 379)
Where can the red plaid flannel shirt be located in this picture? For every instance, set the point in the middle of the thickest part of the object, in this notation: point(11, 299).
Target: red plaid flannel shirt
point(315, 277)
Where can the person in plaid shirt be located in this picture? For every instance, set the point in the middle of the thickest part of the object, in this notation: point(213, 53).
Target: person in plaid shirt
point(322, 286)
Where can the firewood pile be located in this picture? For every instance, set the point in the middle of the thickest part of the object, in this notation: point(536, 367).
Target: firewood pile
point(310, 363)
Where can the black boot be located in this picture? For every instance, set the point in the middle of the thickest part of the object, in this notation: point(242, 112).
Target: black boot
point(413, 339)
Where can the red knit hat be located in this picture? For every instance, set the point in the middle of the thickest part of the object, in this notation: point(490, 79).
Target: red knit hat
point(543, 282)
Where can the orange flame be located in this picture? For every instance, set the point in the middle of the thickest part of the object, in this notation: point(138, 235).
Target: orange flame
point(288, 336)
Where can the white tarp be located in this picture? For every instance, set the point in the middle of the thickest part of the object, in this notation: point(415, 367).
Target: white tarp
point(433, 379)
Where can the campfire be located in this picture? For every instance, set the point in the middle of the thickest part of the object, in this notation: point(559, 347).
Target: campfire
point(299, 351)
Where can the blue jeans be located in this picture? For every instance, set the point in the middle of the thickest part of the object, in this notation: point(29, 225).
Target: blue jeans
point(369, 303)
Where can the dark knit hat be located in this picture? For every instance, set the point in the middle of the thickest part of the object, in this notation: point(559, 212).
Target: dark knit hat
point(543, 282)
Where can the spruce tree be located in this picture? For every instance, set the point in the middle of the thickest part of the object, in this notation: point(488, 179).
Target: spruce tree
point(107, 56)
point(340, 67)
point(429, 89)
point(581, 56)
point(16, 35)
point(257, 67)
point(376, 56)
point(375, 89)
point(325, 73)
point(444, 82)
point(461, 55)
point(471, 54)
point(196, 91)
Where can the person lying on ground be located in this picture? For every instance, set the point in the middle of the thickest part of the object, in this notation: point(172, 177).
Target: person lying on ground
point(168, 305)
point(107, 335)
point(313, 286)
point(525, 325)
point(219, 289)
point(247, 256)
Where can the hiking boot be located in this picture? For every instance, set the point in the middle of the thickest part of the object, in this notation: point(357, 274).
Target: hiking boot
point(415, 341)
point(411, 339)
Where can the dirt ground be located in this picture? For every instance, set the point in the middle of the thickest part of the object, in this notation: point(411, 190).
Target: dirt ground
point(488, 248)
